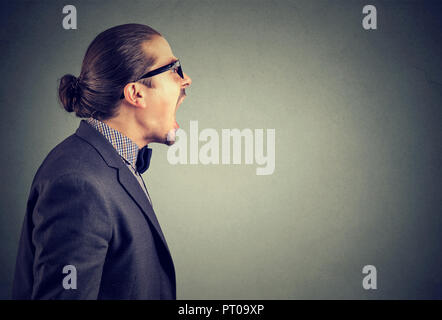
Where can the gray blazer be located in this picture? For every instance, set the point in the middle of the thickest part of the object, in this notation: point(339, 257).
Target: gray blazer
point(87, 210)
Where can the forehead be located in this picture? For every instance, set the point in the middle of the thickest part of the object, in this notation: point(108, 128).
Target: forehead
point(159, 48)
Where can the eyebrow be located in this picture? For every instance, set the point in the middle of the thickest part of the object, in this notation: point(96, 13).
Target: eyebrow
point(173, 60)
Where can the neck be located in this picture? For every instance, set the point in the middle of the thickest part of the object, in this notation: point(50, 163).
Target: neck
point(130, 128)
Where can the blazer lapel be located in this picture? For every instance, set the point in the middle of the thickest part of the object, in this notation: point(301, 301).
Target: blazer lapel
point(133, 188)
point(125, 177)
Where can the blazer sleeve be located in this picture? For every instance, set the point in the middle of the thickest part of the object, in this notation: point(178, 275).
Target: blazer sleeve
point(71, 228)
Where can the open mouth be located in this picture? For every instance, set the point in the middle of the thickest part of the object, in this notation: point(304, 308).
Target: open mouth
point(181, 99)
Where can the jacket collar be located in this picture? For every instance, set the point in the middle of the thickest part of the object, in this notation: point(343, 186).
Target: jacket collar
point(125, 147)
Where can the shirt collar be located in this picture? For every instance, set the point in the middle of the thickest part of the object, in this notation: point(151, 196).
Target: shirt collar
point(125, 147)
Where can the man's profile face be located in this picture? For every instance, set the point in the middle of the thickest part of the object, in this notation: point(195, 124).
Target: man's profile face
point(165, 96)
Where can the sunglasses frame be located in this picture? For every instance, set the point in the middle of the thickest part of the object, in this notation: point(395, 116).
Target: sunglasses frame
point(162, 69)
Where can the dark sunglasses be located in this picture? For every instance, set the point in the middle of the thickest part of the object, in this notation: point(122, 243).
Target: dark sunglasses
point(176, 65)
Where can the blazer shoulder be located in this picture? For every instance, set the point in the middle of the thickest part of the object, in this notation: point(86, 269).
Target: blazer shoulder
point(71, 156)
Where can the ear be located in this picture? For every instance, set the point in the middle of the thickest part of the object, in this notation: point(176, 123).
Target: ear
point(135, 93)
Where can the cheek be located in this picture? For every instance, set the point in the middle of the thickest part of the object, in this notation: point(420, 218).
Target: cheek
point(168, 100)
point(163, 104)
point(161, 110)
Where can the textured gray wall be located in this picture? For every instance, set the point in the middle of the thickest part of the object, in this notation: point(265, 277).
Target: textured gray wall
point(357, 116)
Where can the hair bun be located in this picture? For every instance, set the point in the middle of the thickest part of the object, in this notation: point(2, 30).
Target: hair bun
point(68, 92)
point(75, 83)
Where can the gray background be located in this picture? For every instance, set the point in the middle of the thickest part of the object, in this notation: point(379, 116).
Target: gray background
point(357, 116)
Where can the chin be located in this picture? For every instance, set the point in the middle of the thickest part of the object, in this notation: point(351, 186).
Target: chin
point(170, 137)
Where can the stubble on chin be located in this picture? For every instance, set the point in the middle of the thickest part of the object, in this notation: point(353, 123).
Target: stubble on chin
point(170, 137)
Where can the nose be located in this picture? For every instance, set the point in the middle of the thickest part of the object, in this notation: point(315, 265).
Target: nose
point(187, 81)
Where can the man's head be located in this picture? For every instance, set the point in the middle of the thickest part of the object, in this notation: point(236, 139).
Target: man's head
point(154, 103)
point(112, 67)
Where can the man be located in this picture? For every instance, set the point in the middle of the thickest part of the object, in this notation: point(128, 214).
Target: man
point(90, 231)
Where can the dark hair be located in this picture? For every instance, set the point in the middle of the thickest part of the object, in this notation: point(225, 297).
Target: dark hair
point(113, 59)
